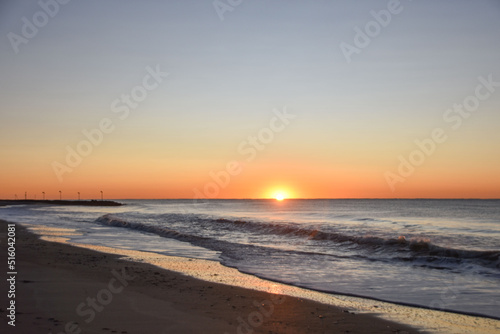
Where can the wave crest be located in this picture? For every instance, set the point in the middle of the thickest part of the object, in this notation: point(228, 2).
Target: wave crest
point(400, 248)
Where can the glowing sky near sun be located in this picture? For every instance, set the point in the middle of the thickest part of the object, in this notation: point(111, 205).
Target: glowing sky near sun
point(167, 100)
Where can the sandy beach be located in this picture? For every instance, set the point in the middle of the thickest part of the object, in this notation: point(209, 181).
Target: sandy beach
point(65, 289)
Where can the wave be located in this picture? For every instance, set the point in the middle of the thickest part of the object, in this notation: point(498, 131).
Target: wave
point(111, 220)
point(415, 248)
point(420, 251)
point(228, 250)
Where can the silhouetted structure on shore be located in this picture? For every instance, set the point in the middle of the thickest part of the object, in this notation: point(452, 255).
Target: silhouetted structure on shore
point(60, 202)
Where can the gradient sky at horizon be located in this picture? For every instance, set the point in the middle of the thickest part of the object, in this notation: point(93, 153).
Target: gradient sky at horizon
point(353, 120)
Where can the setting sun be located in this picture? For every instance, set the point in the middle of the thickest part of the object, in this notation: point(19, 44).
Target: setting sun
point(279, 193)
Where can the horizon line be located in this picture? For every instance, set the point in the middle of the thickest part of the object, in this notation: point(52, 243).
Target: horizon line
point(266, 198)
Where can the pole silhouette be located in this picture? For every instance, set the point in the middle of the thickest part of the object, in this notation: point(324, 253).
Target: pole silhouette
point(43, 193)
point(102, 196)
point(60, 195)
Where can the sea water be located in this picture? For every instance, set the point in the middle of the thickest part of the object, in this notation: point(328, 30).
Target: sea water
point(440, 254)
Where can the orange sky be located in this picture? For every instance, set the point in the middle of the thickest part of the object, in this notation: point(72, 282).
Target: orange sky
point(256, 180)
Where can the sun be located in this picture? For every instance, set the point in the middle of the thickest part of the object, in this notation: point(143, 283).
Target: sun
point(279, 193)
point(279, 196)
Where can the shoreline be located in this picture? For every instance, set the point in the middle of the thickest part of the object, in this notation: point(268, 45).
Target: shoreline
point(313, 311)
point(62, 289)
point(379, 300)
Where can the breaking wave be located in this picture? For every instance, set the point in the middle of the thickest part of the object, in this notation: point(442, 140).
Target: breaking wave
point(418, 250)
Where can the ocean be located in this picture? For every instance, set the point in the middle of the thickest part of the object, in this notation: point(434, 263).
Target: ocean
point(439, 254)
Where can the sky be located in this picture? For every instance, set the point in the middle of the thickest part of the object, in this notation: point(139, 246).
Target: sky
point(247, 99)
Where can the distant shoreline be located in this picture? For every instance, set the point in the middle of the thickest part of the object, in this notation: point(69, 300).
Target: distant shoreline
point(60, 202)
